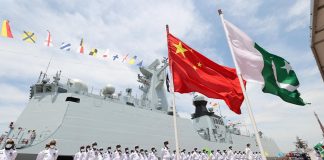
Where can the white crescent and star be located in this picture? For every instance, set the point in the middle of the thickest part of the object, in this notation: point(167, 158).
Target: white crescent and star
point(286, 86)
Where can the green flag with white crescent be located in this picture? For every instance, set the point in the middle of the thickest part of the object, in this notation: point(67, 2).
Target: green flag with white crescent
point(260, 66)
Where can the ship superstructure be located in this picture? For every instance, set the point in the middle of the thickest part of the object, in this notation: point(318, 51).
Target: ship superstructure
point(69, 113)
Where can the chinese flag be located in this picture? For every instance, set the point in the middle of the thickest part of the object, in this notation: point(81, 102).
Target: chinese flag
point(193, 72)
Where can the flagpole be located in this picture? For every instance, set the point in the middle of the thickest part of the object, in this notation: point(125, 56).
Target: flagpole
point(247, 101)
point(173, 104)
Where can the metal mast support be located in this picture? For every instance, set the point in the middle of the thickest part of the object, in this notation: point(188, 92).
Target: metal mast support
point(247, 102)
point(320, 123)
point(173, 104)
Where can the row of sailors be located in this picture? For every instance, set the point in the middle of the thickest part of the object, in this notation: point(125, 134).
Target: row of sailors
point(92, 153)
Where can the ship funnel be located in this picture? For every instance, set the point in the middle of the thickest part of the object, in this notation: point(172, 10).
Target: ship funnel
point(200, 102)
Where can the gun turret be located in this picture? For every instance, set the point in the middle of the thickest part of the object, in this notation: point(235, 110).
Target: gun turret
point(200, 102)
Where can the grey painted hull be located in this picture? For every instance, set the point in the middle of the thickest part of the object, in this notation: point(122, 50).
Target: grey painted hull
point(110, 123)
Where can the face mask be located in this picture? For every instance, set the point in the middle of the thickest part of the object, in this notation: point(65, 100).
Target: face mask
point(52, 146)
point(82, 150)
point(8, 146)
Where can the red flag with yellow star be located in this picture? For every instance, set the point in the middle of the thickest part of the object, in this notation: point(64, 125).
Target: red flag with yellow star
point(193, 72)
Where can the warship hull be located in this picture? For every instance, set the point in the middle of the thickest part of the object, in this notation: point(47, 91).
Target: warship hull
point(86, 119)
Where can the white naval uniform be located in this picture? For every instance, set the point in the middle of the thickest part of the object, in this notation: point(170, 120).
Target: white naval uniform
point(134, 156)
point(141, 157)
point(217, 155)
point(8, 154)
point(183, 156)
point(79, 156)
point(40, 155)
point(145, 156)
point(239, 156)
point(221, 156)
point(205, 156)
point(173, 156)
point(195, 156)
point(48, 154)
point(106, 156)
point(244, 157)
point(116, 156)
point(152, 156)
point(212, 157)
point(259, 156)
point(94, 155)
point(125, 156)
point(165, 154)
point(230, 155)
point(249, 154)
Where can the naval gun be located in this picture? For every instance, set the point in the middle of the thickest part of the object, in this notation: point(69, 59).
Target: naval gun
point(208, 125)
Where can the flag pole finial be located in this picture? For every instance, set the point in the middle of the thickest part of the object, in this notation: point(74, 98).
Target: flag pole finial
point(220, 11)
point(167, 28)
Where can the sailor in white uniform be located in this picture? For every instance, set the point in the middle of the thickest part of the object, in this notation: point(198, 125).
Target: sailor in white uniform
point(49, 154)
point(107, 154)
point(94, 154)
point(224, 154)
point(152, 154)
point(117, 154)
point(125, 155)
point(41, 152)
point(230, 154)
point(141, 154)
point(259, 157)
point(165, 153)
point(248, 152)
point(173, 155)
point(212, 155)
point(244, 157)
point(189, 156)
point(204, 155)
point(145, 154)
point(239, 155)
point(235, 155)
point(131, 155)
point(218, 155)
point(79, 155)
point(194, 155)
point(9, 152)
point(183, 155)
point(221, 156)
point(135, 154)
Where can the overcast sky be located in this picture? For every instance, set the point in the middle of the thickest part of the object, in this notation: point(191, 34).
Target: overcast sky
point(138, 28)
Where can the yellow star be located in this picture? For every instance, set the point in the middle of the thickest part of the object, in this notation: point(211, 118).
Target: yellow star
point(180, 49)
point(199, 64)
point(194, 67)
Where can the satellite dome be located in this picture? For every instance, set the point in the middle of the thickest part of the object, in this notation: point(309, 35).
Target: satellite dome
point(108, 90)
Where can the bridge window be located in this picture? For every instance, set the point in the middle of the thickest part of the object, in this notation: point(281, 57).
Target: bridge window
point(73, 99)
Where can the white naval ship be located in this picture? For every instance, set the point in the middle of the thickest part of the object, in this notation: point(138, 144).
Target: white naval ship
point(70, 114)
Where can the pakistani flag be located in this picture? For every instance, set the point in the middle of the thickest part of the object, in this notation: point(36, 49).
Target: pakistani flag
point(260, 66)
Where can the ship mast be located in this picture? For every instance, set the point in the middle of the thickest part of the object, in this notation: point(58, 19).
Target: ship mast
point(321, 125)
